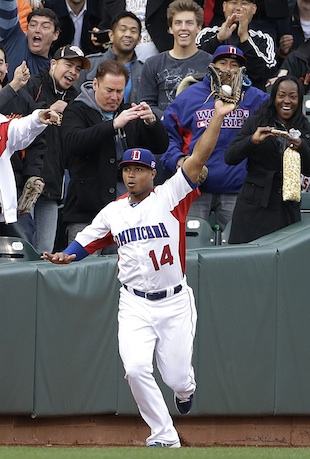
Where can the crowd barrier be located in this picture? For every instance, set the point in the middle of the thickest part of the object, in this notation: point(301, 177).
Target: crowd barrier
point(58, 329)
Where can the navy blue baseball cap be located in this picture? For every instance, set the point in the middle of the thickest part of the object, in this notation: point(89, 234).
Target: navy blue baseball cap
point(139, 156)
point(229, 51)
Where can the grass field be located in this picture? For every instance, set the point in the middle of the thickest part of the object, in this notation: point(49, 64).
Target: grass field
point(18, 452)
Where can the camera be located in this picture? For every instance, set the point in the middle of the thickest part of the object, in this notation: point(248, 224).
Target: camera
point(102, 35)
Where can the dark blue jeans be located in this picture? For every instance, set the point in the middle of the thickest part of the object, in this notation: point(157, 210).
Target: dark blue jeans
point(23, 228)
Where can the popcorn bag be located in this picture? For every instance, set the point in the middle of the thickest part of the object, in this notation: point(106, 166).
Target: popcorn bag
point(291, 175)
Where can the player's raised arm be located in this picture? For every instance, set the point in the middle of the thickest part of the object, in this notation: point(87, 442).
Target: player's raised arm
point(207, 141)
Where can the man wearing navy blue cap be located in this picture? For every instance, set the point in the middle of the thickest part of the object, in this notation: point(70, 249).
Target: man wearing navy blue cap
point(157, 313)
point(187, 117)
point(230, 52)
point(257, 46)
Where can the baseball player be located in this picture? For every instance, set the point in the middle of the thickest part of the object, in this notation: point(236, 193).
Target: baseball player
point(157, 311)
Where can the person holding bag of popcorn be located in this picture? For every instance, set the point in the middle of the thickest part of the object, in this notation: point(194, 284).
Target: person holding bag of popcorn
point(276, 143)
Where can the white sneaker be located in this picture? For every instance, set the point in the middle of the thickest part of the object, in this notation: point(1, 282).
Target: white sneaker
point(165, 445)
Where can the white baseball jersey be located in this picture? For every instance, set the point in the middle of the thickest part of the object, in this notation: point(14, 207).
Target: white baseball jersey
point(150, 235)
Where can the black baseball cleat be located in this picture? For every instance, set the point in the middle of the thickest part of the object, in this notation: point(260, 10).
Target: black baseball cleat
point(183, 406)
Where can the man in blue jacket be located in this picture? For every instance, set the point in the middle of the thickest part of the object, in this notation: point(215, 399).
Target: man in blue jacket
point(34, 47)
point(186, 119)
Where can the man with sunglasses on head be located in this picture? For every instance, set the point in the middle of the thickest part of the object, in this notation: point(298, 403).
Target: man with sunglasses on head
point(54, 88)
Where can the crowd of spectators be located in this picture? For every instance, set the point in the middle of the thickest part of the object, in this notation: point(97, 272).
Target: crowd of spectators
point(97, 62)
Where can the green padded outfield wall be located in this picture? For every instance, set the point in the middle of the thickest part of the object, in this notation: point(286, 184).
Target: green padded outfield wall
point(58, 328)
point(293, 321)
point(76, 349)
point(236, 331)
point(17, 337)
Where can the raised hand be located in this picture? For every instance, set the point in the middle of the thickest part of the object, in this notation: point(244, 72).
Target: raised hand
point(21, 77)
point(227, 28)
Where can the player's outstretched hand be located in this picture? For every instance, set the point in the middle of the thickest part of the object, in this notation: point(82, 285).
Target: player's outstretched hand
point(48, 116)
point(59, 258)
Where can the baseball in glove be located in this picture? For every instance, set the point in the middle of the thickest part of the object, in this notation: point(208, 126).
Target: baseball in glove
point(226, 84)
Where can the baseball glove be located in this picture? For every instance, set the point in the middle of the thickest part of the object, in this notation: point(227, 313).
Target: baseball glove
point(203, 175)
point(31, 191)
point(226, 85)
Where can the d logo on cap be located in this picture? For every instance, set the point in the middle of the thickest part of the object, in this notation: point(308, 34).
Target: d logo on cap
point(135, 155)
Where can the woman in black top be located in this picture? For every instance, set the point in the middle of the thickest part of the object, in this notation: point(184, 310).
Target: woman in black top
point(260, 209)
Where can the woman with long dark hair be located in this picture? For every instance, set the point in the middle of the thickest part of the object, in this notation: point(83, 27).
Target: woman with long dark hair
point(260, 208)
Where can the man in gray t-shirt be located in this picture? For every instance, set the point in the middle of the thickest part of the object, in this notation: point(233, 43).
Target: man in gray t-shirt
point(161, 74)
